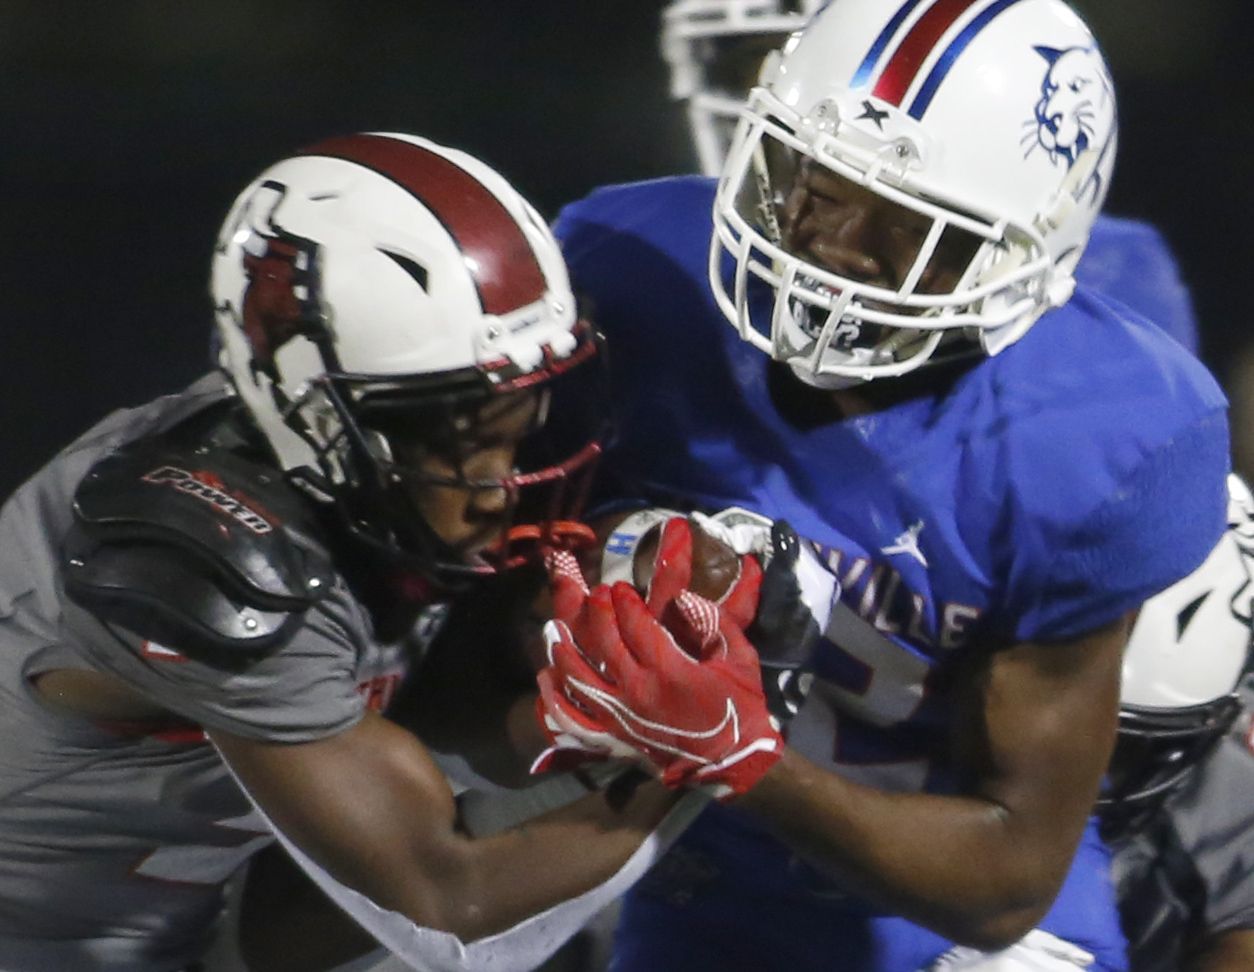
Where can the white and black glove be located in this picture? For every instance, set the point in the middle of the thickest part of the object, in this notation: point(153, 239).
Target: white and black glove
point(794, 606)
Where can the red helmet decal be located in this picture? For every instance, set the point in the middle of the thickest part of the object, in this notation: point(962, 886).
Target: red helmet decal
point(282, 297)
point(272, 313)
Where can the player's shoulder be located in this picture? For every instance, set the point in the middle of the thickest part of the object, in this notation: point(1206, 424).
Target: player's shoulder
point(621, 202)
point(183, 540)
point(652, 209)
point(639, 253)
point(1130, 260)
point(122, 425)
point(1096, 358)
point(1127, 230)
point(1097, 401)
point(1107, 443)
point(37, 515)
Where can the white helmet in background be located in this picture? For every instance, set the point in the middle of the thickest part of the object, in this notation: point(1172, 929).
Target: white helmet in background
point(380, 281)
point(992, 123)
point(714, 49)
point(1188, 651)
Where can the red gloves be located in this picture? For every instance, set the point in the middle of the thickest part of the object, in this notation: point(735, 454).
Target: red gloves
point(669, 679)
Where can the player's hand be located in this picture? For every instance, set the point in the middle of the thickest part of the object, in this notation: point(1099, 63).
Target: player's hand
point(794, 607)
point(671, 678)
point(793, 611)
point(567, 750)
point(669, 572)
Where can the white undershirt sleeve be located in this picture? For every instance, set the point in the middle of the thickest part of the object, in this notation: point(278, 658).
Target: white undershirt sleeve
point(517, 949)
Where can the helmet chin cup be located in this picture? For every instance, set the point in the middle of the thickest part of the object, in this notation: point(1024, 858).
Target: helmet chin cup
point(826, 381)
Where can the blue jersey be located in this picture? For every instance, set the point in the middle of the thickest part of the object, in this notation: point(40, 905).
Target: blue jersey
point(1042, 494)
point(1130, 261)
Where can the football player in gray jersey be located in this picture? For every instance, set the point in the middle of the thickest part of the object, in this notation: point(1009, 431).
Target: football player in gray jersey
point(220, 587)
point(1179, 811)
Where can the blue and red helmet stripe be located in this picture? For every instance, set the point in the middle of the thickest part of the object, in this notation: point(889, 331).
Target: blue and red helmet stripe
point(915, 49)
point(923, 99)
point(863, 74)
point(500, 259)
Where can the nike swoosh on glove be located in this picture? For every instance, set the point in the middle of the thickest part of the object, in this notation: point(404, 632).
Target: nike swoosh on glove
point(671, 572)
point(675, 680)
point(566, 750)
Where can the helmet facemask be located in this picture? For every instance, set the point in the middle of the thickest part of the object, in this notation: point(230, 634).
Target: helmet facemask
point(390, 450)
point(939, 280)
point(994, 121)
point(1156, 752)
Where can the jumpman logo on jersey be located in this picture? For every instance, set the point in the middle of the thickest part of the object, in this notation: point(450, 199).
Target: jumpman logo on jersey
point(908, 543)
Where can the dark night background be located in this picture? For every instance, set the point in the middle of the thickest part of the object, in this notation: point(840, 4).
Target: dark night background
point(129, 126)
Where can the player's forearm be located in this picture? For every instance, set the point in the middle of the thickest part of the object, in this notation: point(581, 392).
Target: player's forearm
point(370, 808)
point(961, 866)
point(476, 887)
point(506, 878)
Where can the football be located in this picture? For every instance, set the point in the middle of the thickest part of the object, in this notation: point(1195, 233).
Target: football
point(715, 566)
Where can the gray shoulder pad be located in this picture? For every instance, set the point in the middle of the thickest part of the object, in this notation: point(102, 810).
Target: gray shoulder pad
point(195, 548)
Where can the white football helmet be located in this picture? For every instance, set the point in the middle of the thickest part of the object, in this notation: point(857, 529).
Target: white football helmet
point(1188, 651)
point(990, 123)
point(714, 49)
point(376, 281)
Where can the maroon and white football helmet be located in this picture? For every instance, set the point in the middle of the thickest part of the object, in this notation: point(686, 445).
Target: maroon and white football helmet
point(378, 276)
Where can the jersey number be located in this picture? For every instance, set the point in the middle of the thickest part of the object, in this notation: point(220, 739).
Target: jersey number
point(868, 677)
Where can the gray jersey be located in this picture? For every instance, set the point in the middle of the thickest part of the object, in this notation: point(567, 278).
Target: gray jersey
point(115, 842)
point(1190, 873)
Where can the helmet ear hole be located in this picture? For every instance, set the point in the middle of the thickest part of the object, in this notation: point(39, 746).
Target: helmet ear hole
point(415, 270)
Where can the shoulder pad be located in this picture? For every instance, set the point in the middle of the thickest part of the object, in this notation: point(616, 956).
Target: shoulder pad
point(195, 548)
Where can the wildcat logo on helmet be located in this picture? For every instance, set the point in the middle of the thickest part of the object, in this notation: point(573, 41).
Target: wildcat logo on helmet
point(1077, 107)
point(212, 490)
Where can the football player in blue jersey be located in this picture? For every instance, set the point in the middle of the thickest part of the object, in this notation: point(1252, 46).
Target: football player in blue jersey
point(995, 467)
